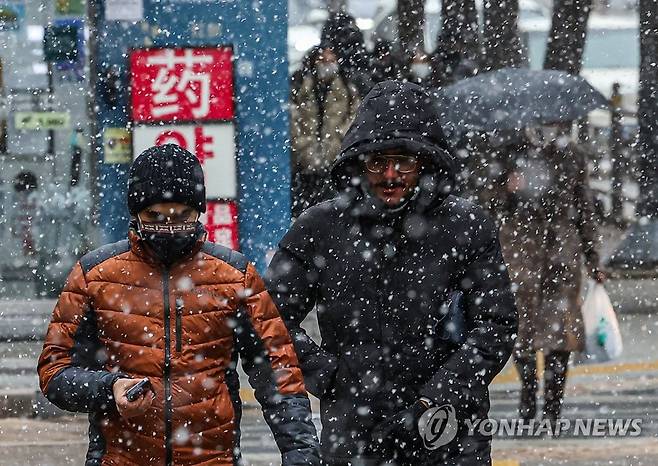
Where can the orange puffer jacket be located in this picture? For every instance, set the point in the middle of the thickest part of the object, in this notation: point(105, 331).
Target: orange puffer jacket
point(122, 314)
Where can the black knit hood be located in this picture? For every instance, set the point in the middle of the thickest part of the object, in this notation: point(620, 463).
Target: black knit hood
point(398, 115)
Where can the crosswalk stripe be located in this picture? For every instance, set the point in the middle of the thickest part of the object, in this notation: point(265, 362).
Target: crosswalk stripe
point(510, 375)
point(505, 463)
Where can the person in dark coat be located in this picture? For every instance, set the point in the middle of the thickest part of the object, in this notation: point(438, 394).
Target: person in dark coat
point(386, 65)
point(321, 110)
point(549, 237)
point(419, 69)
point(452, 62)
point(382, 263)
point(341, 34)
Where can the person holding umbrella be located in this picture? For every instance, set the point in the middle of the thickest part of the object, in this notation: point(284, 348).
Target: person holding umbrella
point(548, 234)
point(546, 211)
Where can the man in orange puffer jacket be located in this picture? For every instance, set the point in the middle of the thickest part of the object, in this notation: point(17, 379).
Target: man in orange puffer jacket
point(169, 306)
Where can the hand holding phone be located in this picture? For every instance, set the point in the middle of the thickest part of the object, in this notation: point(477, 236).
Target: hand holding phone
point(136, 390)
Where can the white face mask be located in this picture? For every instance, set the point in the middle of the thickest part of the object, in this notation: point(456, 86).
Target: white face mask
point(421, 70)
point(327, 70)
point(549, 133)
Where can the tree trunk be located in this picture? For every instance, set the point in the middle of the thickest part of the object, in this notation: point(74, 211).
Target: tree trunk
point(638, 252)
point(502, 45)
point(566, 41)
point(460, 27)
point(411, 18)
point(648, 107)
point(458, 41)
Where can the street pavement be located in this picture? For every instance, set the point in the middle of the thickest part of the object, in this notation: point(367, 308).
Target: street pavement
point(62, 442)
point(624, 389)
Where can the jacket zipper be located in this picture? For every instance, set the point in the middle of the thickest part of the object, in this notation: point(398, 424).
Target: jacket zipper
point(167, 370)
point(179, 325)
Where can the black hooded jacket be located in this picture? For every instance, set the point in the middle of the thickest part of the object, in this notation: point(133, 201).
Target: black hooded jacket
point(381, 282)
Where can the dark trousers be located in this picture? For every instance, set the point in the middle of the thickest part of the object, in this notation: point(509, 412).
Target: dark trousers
point(555, 377)
point(471, 452)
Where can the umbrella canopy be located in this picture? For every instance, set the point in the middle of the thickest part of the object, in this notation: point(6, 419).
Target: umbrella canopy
point(515, 98)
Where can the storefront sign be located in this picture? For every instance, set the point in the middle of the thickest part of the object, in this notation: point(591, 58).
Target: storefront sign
point(117, 145)
point(213, 144)
point(221, 222)
point(41, 120)
point(182, 84)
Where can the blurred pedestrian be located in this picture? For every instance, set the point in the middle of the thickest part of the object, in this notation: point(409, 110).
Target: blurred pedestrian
point(451, 62)
point(321, 111)
point(419, 69)
point(386, 65)
point(168, 308)
point(23, 213)
point(380, 263)
point(548, 234)
point(341, 34)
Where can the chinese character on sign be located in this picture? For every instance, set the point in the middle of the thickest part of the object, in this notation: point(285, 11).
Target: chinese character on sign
point(191, 84)
point(170, 88)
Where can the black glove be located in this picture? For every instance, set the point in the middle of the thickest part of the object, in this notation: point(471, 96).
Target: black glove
point(400, 432)
point(393, 397)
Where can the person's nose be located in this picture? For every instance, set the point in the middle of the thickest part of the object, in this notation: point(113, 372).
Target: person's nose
point(391, 171)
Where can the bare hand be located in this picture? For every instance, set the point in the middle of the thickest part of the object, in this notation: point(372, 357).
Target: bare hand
point(599, 276)
point(128, 409)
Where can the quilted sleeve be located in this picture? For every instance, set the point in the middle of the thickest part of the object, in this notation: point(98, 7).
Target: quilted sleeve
point(70, 365)
point(273, 369)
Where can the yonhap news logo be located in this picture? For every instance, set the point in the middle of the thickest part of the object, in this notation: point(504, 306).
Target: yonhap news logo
point(438, 426)
point(599, 427)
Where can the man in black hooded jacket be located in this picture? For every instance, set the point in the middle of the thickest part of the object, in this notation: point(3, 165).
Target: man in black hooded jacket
point(398, 373)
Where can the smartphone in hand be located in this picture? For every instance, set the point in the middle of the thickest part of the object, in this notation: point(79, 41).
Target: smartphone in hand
point(136, 390)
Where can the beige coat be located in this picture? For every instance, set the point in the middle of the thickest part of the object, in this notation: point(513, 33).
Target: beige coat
point(546, 248)
point(315, 139)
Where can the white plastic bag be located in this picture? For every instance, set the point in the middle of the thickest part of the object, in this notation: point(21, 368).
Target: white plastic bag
point(602, 336)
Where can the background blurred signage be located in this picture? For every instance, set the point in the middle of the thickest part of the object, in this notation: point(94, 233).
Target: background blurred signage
point(12, 15)
point(60, 42)
point(124, 10)
point(41, 120)
point(70, 7)
point(117, 145)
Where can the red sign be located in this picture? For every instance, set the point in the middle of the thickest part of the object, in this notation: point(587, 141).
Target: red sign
point(221, 222)
point(181, 84)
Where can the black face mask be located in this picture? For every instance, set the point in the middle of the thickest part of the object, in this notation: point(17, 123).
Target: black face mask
point(170, 243)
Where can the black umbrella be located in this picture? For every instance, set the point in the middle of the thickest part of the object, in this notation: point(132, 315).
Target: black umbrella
point(515, 98)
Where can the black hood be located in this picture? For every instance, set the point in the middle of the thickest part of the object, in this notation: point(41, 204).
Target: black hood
point(396, 115)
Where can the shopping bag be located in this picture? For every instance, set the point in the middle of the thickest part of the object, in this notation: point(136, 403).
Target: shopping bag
point(603, 340)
